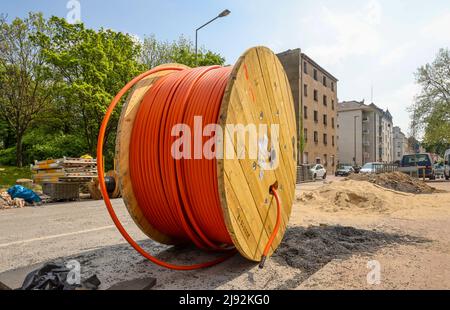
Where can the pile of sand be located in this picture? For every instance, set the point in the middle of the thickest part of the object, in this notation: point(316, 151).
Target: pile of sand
point(397, 181)
point(354, 196)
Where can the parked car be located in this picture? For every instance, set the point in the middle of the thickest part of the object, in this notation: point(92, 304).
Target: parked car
point(439, 169)
point(447, 164)
point(344, 171)
point(418, 163)
point(368, 168)
point(318, 171)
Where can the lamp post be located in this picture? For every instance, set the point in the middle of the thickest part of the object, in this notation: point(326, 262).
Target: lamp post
point(354, 139)
point(222, 14)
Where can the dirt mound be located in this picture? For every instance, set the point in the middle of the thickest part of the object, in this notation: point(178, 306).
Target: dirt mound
point(396, 181)
point(351, 195)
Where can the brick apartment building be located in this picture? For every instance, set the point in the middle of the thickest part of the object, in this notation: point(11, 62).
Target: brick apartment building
point(315, 98)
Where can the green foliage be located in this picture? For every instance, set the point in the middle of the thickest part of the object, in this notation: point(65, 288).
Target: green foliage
point(8, 156)
point(92, 66)
point(39, 145)
point(431, 111)
point(182, 51)
point(9, 175)
point(57, 80)
point(26, 86)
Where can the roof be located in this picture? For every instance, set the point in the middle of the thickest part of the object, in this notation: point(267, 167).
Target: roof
point(360, 105)
point(315, 64)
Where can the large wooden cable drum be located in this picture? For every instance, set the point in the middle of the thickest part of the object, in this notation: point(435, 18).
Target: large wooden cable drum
point(258, 93)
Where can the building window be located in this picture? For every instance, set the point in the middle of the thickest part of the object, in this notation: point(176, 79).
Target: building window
point(332, 86)
point(305, 158)
point(332, 105)
point(332, 122)
point(316, 116)
point(305, 135)
point(325, 139)
point(325, 100)
point(325, 120)
point(332, 140)
point(324, 81)
point(316, 137)
point(305, 67)
point(305, 90)
point(316, 95)
point(325, 159)
point(315, 74)
point(305, 112)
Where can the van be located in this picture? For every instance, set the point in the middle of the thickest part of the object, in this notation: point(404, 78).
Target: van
point(447, 164)
point(419, 163)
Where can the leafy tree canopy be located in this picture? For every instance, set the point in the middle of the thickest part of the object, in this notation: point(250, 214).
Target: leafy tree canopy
point(57, 79)
point(431, 111)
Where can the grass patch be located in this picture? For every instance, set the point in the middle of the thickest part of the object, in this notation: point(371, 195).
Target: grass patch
point(9, 175)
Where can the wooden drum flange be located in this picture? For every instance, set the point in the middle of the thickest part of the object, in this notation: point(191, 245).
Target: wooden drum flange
point(258, 92)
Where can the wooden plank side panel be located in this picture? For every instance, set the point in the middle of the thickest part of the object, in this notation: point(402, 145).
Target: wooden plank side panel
point(259, 187)
point(280, 114)
point(254, 95)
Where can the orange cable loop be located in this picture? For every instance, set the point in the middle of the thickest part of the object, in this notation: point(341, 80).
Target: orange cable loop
point(178, 197)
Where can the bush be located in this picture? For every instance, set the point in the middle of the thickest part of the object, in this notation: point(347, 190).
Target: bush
point(38, 146)
point(8, 156)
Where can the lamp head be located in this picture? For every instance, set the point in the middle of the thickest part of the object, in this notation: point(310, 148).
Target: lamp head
point(225, 13)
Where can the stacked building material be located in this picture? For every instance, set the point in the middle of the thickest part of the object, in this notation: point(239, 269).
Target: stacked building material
point(77, 170)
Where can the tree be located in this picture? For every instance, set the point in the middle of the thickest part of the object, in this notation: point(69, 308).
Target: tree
point(431, 111)
point(182, 51)
point(26, 89)
point(155, 53)
point(92, 67)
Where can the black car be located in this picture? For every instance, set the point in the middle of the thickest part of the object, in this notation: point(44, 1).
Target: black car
point(344, 171)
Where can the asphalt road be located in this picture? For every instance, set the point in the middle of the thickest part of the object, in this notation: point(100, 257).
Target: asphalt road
point(33, 235)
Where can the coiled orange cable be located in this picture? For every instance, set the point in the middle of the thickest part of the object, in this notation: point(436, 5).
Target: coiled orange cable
point(178, 197)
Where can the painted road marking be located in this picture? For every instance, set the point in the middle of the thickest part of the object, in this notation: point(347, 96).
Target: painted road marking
point(56, 236)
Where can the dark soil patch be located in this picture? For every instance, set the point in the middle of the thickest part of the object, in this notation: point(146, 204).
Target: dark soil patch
point(309, 249)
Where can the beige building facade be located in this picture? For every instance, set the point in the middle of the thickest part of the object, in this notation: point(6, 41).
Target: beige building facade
point(400, 144)
point(365, 134)
point(315, 97)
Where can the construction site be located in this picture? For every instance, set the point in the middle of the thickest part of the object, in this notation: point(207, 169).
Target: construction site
point(336, 228)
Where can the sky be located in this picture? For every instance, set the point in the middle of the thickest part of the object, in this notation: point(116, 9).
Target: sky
point(366, 44)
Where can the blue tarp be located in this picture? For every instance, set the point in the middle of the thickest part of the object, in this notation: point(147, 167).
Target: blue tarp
point(18, 191)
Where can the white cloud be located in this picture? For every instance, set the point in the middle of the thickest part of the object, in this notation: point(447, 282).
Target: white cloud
point(396, 54)
point(398, 102)
point(438, 28)
point(355, 32)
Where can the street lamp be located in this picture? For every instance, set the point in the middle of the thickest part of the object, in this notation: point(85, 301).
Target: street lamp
point(354, 139)
point(222, 14)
